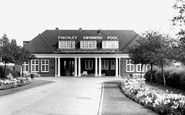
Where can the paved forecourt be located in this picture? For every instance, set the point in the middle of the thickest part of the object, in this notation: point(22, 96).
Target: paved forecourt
point(65, 96)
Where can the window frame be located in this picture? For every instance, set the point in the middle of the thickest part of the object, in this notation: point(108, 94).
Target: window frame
point(86, 44)
point(25, 67)
point(129, 65)
point(108, 44)
point(113, 64)
point(139, 66)
point(68, 44)
point(104, 66)
point(46, 65)
point(34, 65)
point(88, 64)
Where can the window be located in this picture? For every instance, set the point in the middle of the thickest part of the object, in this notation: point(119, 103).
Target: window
point(138, 68)
point(88, 64)
point(113, 64)
point(88, 44)
point(34, 65)
point(44, 65)
point(66, 44)
point(110, 45)
point(25, 67)
point(105, 64)
point(129, 66)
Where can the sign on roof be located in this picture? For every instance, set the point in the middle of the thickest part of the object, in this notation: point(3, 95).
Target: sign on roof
point(88, 37)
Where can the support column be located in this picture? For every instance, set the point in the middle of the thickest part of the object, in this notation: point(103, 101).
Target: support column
point(79, 67)
point(96, 67)
point(116, 67)
point(55, 66)
point(119, 74)
point(58, 66)
point(75, 66)
point(100, 66)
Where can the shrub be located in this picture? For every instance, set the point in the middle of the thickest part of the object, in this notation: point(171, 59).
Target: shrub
point(8, 70)
point(174, 77)
point(148, 74)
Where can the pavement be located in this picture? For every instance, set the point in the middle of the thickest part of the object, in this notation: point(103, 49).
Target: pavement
point(70, 96)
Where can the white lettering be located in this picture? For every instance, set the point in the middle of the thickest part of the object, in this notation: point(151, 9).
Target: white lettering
point(92, 37)
point(67, 37)
point(112, 37)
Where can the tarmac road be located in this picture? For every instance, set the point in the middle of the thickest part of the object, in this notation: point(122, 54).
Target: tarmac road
point(66, 96)
point(72, 96)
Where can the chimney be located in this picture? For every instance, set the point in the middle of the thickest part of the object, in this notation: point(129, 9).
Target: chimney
point(80, 29)
point(56, 28)
point(99, 31)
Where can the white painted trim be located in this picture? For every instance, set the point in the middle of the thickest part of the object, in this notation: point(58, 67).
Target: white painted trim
point(129, 65)
point(35, 65)
point(44, 64)
point(81, 55)
point(116, 67)
point(140, 67)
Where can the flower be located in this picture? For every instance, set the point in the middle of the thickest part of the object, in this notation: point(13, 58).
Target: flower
point(164, 103)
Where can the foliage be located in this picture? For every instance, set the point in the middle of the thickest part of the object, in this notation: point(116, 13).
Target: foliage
point(3, 75)
point(179, 19)
point(162, 103)
point(12, 83)
point(153, 48)
point(174, 77)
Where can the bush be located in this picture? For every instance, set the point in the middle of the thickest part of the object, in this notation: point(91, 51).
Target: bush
point(148, 74)
point(8, 70)
point(174, 77)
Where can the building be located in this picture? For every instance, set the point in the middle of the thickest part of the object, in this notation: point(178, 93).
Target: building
point(82, 53)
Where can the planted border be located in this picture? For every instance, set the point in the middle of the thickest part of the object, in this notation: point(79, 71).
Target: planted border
point(12, 83)
point(162, 103)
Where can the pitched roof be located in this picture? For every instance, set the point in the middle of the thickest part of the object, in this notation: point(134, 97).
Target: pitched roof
point(47, 42)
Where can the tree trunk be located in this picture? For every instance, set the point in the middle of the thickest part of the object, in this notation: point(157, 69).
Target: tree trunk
point(22, 69)
point(164, 79)
point(5, 70)
point(151, 71)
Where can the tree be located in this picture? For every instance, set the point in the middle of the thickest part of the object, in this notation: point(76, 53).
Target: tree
point(12, 53)
point(137, 55)
point(154, 49)
point(24, 56)
point(179, 19)
point(6, 54)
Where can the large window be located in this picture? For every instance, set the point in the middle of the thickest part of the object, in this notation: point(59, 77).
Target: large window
point(129, 66)
point(25, 67)
point(88, 44)
point(138, 68)
point(105, 64)
point(34, 65)
point(110, 45)
point(66, 44)
point(44, 65)
point(88, 64)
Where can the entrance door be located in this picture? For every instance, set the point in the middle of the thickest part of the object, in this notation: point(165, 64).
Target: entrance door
point(67, 67)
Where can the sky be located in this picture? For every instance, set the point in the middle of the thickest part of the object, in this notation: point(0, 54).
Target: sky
point(24, 19)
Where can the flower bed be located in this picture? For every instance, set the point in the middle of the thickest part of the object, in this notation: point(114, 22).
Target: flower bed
point(16, 82)
point(162, 103)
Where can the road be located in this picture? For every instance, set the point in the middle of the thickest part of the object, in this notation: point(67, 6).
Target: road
point(66, 96)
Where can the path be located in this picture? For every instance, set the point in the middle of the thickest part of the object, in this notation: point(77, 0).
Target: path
point(116, 103)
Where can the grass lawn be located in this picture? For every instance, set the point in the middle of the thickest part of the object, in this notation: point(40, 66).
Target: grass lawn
point(34, 83)
point(163, 89)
